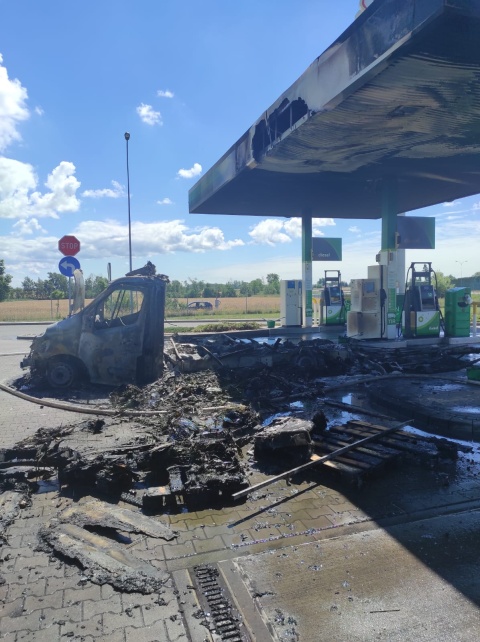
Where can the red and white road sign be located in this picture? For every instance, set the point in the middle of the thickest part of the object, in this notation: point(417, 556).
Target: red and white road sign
point(69, 245)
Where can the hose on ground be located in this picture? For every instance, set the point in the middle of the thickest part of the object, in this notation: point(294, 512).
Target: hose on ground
point(86, 411)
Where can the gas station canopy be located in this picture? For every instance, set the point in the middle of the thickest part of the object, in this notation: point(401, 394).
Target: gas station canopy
point(396, 96)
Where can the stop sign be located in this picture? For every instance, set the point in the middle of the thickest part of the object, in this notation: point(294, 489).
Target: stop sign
point(69, 245)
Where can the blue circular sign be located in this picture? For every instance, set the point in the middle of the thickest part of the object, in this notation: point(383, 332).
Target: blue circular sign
point(68, 265)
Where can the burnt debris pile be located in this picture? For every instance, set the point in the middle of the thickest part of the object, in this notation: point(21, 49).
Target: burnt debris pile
point(320, 357)
point(312, 357)
point(181, 441)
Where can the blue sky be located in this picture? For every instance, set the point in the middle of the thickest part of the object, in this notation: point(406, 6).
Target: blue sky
point(186, 80)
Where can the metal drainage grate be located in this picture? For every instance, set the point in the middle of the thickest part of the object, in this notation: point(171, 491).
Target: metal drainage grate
point(222, 617)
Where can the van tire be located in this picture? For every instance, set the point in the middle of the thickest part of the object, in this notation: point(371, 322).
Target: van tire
point(62, 372)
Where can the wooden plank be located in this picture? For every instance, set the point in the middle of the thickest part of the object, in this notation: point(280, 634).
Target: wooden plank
point(374, 450)
point(354, 462)
point(354, 430)
point(310, 464)
point(340, 466)
point(403, 442)
point(380, 448)
point(401, 436)
point(385, 452)
point(357, 454)
point(344, 469)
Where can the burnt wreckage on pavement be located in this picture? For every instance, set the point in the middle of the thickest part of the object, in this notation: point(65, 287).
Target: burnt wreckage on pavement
point(190, 438)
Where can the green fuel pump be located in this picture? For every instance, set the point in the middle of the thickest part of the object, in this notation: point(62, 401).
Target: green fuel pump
point(333, 301)
point(421, 313)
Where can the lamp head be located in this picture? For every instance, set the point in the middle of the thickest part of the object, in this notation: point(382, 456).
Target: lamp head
point(127, 136)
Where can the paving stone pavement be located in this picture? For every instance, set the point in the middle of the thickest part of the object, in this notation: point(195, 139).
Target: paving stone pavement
point(42, 598)
point(45, 598)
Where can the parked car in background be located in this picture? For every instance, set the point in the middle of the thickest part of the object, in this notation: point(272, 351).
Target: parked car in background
point(200, 305)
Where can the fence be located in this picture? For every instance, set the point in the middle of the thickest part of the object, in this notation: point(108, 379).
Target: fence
point(54, 310)
point(32, 310)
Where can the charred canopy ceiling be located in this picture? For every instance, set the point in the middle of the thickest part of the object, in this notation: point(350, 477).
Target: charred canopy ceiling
point(396, 96)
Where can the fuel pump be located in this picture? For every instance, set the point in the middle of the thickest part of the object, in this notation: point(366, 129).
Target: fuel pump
point(421, 313)
point(367, 316)
point(333, 301)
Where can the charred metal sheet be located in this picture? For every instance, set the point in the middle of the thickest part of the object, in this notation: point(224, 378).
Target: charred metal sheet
point(103, 561)
point(98, 513)
point(25, 471)
point(396, 95)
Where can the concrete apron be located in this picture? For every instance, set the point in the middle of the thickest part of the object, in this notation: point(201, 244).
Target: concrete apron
point(410, 582)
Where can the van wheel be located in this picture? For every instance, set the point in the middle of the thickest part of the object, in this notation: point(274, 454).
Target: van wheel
point(61, 372)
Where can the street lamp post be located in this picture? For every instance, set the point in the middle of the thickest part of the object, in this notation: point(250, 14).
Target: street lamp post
point(461, 270)
point(127, 138)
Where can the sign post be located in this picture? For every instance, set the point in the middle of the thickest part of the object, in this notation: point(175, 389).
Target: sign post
point(69, 245)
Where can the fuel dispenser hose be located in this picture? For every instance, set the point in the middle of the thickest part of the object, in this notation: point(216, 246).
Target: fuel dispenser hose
point(86, 411)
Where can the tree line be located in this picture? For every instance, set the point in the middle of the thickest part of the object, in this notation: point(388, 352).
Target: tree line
point(55, 286)
point(195, 288)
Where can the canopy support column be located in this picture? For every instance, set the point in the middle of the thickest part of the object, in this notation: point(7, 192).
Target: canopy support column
point(389, 213)
point(307, 309)
point(388, 255)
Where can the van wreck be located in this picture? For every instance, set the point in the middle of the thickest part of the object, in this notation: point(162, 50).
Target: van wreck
point(118, 338)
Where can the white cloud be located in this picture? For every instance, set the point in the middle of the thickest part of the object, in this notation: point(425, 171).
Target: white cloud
point(148, 115)
point(269, 232)
point(272, 231)
point(12, 107)
point(165, 93)
point(293, 227)
point(117, 192)
point(190, 173)
point(27, 256)
point(165, 201)
point(354, 229)
point(63, 186)
point(451, 204)
point(16, 182)
point(39, 111)
point(110, 238)
point(25, 227)
point(19, 197)
point(318, 223)
point(18, 200)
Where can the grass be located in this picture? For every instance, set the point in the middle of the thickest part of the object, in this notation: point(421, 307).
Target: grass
point(227, 327)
